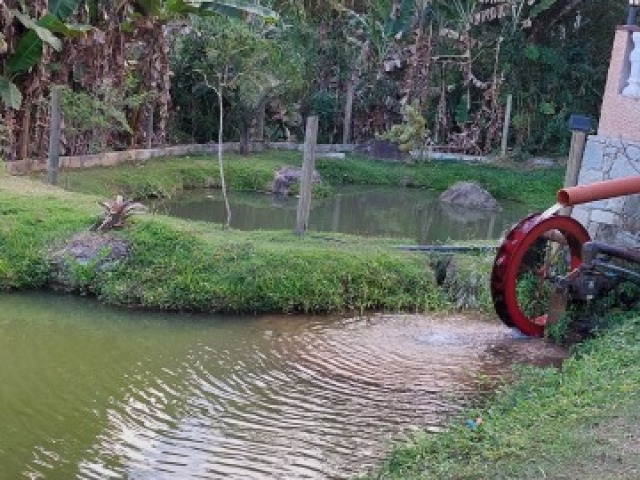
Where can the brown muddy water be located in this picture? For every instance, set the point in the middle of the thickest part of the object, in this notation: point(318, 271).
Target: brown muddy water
point(92, 392)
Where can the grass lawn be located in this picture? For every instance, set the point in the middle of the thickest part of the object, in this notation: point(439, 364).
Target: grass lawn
point(165, 177)
point(181, 265)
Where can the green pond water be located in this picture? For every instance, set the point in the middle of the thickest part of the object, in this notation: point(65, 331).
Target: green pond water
point(88, 391)
point(408, 213)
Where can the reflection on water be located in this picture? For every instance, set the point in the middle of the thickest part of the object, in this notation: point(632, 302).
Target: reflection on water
point(93, 392)
point(372, 211)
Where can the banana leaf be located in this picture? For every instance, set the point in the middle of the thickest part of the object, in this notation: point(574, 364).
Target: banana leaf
point(239, 9)
point(9, 93)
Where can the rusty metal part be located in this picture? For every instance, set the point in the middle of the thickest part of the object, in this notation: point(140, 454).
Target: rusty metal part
point(591, 249)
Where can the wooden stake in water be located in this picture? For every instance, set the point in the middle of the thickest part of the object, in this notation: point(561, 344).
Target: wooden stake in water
point(306, 180)
point(54, 137)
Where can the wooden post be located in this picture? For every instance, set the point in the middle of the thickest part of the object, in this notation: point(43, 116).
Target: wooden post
point(25, 139)
point(348, 112)
point(260, 119)
point(306, 180)
point(54, 137)
point(506, 125)
point(150, 122)
point(574, 163)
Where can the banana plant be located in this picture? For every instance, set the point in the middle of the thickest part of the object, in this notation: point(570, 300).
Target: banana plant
point(28, 51)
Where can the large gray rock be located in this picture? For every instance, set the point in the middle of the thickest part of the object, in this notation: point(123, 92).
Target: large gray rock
point(287, 176)
point(470, 195)
point(82, 257)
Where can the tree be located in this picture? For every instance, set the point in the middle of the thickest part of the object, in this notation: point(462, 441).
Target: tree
point(243, 64)
point(101, 48)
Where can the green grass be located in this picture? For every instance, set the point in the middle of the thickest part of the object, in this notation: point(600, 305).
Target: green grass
point(535, 188)
point(187, 266)
point(549, 423)
point(181, 265)
point(33, 219)
point(166, 177)
point(269, 271)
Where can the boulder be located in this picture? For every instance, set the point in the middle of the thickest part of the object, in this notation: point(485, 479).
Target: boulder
point(470, 195)
point(85, 255)
point(287, 176)
point(465, 215)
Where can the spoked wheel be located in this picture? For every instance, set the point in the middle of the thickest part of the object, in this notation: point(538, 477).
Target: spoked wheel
point(535, 253)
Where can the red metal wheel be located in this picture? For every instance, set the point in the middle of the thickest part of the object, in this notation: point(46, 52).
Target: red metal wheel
point(535, 252)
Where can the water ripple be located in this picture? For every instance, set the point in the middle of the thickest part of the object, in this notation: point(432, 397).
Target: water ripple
point(276, 397)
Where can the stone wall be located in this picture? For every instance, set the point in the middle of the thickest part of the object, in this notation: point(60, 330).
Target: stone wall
point(615, 220)
point(110, 159)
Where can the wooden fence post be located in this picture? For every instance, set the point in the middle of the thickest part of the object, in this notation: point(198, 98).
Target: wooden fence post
point(54, 137)
point(306, 179)
point(150, 122)
point(507, 124)
point(574, 163)
point(348, 113)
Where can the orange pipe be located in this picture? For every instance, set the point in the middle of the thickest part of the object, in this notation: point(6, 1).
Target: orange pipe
point(570, 196)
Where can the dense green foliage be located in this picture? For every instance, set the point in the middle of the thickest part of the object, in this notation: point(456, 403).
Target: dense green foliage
point(558, 71)
point(549, 423)
point(552, 57)
point(357, 59)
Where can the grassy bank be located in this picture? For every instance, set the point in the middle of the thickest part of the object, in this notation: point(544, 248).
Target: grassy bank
point(179, 265)
point(165, 177)
point(33, 219)
point(576, 422)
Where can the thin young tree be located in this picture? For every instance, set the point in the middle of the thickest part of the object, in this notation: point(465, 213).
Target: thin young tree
point(243, 66)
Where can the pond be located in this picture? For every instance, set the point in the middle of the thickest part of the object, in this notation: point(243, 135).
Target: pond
point(413, 214)
point(90, 391)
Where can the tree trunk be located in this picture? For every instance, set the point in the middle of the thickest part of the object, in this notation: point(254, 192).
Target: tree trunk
point(245, 133)
point(348, 111)
point(260, 120)
point(223, 184)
